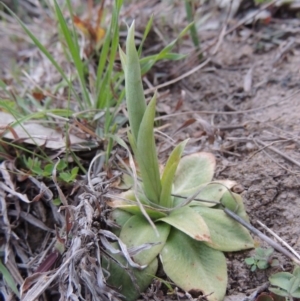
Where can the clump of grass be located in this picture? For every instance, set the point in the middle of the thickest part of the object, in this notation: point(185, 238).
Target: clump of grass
point(95, 91)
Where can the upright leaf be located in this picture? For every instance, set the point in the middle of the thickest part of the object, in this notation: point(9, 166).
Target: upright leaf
point(135, 99)
point(169, 173)
point(147, 156)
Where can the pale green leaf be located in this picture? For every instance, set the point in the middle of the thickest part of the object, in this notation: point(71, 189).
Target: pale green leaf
point(147, 156)
point(262, 264)
point(212, 191)
point(135, 99)
point(294, 285)
point(194, 170)
point(119, 217)
point(137, 231)
point(132, 142)
point(169, 173)
point(119, 277)
point(188, 221)
point(281, 280)
point(123, 58)
point(226, 234)
point(278, 292)
point(166, 199)
point(250, 261)
point(296, 271)
point(192, 265)
point(296, 293)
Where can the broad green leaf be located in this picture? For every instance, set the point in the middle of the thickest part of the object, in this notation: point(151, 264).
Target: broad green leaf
point(250, 261)
point(261, 253)
point(119, 217)
point(296, 293)
point(253, 268)
point(226, 234)
point(147, 156)
point(194, 170)
point(8, 278)
point(212, 191)
point(169, 173)
point(137, 231)
point(188, 221)
point(135, 99)
point(281, 280)
point(119, 277)
point(296, 271)
point(294, 286)
point(262, 264)
point(193, 266)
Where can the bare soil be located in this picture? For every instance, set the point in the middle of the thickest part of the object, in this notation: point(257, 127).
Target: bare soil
point(256, 140)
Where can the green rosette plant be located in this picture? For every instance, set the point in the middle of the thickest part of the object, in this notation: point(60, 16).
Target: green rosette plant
point(163, 209)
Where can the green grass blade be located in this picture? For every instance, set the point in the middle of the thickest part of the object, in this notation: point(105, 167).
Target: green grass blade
point(146, 32)
point(45, 52)
point(193, 29)
point(164, 53)
point(105, 65)
point(8, 278)
point(74, 51)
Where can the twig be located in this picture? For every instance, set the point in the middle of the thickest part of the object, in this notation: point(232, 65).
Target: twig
point(279, 239)
point(250, 17)
point(269, 156)
point(233, 112)
point(177, 79)
point(265, 238)
point(277, 151)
